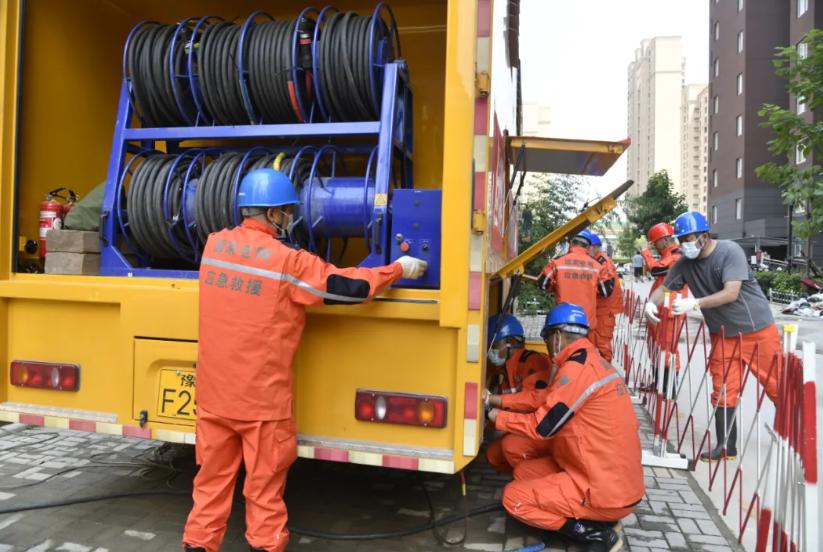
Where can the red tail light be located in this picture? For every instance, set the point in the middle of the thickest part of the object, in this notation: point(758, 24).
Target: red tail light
point(45, 375)
point(400, 408)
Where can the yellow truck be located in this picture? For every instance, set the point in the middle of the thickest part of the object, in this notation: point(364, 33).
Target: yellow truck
point(116, 353)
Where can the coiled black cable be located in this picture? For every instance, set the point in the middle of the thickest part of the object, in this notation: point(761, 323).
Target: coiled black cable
point(219, 77)
point(161, 237)
point(215, 199)
point(155, 93)
point(343, 67)
point(270, 78)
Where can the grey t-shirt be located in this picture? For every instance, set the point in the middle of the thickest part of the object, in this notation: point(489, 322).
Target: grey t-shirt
point(638, 261)
point(748, 313)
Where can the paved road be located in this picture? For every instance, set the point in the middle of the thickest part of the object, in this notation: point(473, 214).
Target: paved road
point(41, 465)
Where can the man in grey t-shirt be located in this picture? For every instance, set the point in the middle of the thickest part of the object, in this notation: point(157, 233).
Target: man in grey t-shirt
point(734, 307)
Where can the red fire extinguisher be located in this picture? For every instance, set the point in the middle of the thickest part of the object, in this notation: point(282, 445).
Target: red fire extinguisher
point(52, 213)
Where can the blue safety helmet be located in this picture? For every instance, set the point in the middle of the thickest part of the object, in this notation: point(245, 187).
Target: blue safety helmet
point(568, 317)
point(690, 222)
point(595, 239)
point(585, 235)
point(266, 188)
point(509, 327)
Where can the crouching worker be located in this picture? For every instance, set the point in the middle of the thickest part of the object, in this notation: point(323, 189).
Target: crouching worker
point(518, 375)
point(592, 477)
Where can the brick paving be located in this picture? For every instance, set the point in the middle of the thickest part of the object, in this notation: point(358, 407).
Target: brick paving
point(44, 465)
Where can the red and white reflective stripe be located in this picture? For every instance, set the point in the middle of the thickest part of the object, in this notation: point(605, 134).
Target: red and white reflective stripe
point(470, 423)
point(92, 426)
point(812, 498)
point(481, 152)
point(381, 459)
point(333, 454)
point(473, 343)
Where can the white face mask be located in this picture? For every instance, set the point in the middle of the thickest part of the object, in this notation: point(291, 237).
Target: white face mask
point(496, 358)
point(690, 249)
point(285, 231)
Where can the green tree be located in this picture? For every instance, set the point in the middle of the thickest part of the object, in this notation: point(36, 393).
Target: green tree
point(549, 202)
point(658, 203)
point(627, 241)
point(794, 136)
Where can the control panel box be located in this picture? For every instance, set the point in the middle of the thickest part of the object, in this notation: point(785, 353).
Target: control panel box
point(416, 232)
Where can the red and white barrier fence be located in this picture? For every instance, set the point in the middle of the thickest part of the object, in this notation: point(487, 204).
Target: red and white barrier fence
point(687, 377)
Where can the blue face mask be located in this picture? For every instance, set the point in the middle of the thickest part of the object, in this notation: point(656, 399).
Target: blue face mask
point(496, 358)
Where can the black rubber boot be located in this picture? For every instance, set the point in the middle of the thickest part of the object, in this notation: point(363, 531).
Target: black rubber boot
point(596, 536)
point(194, 549)
point(725, 449)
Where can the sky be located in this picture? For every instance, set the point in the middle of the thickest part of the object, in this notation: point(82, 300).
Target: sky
point(575, 55)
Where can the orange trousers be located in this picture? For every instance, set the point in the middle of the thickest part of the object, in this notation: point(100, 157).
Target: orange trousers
point(542, 495)
point(762, 353)
point(267, 449)
point(505, 453)
point(603, 334)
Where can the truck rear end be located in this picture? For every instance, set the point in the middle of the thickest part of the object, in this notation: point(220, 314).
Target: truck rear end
point(392, 383)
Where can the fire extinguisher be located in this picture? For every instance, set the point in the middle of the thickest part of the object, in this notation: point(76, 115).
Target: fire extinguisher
point(52, 213)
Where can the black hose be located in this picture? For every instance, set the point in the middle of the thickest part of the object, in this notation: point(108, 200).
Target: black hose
point(219, 78)
point(148, 68)
point(161, 237)
point(398, 533)
point(343, 67)
point(269, 63)
point(297, 530)
point(87, 499)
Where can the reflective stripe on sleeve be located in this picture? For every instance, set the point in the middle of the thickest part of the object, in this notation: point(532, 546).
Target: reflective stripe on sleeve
point(283, 278)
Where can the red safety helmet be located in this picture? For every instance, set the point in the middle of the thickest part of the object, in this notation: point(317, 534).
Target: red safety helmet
point(659, 231)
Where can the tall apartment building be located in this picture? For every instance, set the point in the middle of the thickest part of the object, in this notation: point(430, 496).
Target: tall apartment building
point(655, 82)
point(743, 38)
point(804, 15)
point(536, 119)
point(694, 146)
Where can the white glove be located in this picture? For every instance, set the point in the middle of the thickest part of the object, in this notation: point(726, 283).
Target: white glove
point(651, 313)
point(682, 305)
point(412, 267)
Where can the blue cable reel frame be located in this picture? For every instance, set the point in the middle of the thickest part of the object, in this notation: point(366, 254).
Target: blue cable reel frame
point(393, 131)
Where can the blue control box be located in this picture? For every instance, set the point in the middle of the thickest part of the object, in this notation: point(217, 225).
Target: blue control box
point(416, 232)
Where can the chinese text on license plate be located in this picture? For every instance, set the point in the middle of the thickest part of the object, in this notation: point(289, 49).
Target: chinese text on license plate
point(175, 397)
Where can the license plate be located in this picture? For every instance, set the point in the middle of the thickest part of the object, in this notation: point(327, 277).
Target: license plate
point(175, 396)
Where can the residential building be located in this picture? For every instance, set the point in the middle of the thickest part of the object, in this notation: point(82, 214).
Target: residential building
point(743, 38)
point(536, 119)
point(655, 82)
point(694, 146)
point(804, 15)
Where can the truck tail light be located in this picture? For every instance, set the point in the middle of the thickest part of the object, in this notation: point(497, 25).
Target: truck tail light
point(45, 375)
point(400, 408)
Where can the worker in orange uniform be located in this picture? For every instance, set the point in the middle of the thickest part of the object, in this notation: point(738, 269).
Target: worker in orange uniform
point(607, 307)
point(661, 236)
point(253, 292)
point(517, 373)
point(737, 314)
point(577, 278)
point(593, 476)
